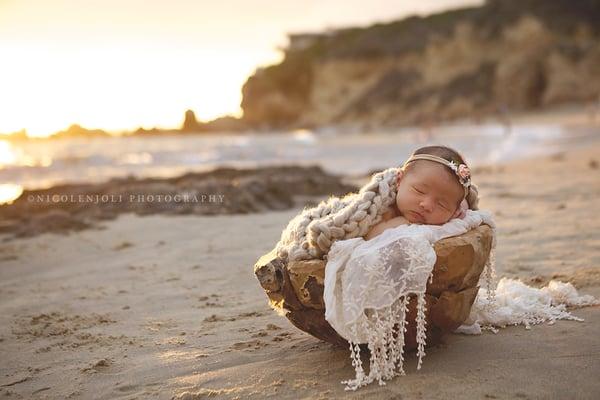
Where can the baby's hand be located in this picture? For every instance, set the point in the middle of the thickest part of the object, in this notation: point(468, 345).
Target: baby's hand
point(461, 211)
point(397, 221)
point(382, 226)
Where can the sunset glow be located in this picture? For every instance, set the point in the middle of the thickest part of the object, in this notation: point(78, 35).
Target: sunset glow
point(7, 154)
point(118, 65)
point(116, 89)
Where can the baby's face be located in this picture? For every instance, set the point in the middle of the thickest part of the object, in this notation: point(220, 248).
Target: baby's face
point(428, 194)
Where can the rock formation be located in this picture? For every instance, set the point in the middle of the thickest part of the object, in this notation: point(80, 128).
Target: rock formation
point(190, 124)
point(472, 62)
point(76, 206)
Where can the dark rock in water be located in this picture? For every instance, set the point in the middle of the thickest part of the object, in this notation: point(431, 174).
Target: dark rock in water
point(190, 124)
point(70, 207)
point(296, 288)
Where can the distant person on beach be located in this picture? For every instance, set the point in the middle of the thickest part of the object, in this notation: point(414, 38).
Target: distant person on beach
point(434, 186)
point(425, 134)
point(503, 114)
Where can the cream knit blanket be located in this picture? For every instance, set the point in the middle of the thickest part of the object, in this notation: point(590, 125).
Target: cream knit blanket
point(311, 234)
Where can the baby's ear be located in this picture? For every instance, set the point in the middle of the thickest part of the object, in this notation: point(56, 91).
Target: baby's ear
point(461, 211)
point(399, 175)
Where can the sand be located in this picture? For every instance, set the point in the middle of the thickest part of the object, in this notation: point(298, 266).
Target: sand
point(167, 307)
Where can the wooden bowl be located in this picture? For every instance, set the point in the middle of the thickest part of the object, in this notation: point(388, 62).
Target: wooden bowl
point(296, 288)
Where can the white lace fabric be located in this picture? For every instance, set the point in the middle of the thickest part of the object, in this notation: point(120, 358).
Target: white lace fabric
point(515, 303)
point(367, 287)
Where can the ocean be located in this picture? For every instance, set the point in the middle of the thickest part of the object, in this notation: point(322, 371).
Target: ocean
point(44, 163)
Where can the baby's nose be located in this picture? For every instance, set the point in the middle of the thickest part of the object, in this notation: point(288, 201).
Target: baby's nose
point(427, 205)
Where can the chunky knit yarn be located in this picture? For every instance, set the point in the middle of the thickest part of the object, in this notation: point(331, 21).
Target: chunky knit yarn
point(310, 234)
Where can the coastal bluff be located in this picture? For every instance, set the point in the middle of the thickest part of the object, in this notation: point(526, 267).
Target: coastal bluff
point(502, 57)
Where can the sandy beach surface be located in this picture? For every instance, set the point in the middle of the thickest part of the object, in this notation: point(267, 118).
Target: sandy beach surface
point(167, 306)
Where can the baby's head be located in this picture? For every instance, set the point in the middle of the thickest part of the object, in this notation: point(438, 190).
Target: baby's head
point(432, 184)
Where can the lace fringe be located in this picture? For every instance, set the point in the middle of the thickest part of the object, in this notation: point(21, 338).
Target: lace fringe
point(490, 274)
point(421, 325)
point(387, 328)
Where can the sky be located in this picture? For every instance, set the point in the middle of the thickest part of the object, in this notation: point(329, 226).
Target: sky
point(121, 64)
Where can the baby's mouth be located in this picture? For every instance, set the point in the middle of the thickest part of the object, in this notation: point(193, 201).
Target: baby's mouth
point(418, 217)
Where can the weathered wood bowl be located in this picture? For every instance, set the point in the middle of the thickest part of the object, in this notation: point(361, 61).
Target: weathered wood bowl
point(296, 288)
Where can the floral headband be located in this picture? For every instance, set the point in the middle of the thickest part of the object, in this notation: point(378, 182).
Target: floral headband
point(462, 172)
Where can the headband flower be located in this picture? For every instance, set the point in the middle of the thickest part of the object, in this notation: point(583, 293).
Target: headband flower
point(464, 174)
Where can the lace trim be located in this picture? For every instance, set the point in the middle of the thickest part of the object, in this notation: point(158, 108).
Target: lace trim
point(386, 330)
point(490, 275)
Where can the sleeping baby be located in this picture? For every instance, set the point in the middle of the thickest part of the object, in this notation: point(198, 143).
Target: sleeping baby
point(434, 186)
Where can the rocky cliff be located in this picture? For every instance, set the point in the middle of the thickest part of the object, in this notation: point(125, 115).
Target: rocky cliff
point(472, 62)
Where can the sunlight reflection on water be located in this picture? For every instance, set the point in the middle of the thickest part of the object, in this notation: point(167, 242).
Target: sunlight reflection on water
point(9, 192)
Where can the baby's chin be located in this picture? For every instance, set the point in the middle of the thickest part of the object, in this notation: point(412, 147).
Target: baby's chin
point(420, 220)
point(438, 223)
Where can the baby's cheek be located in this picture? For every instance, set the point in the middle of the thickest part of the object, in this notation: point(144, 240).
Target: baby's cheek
point(447, 216)
point(397, 202)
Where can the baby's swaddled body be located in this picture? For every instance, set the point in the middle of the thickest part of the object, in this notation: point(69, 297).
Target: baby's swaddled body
point(370, 280)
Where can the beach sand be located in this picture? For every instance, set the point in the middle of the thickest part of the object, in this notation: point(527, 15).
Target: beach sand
point(168, 307)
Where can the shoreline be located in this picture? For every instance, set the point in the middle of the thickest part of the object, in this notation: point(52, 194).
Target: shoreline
point(167, 306)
